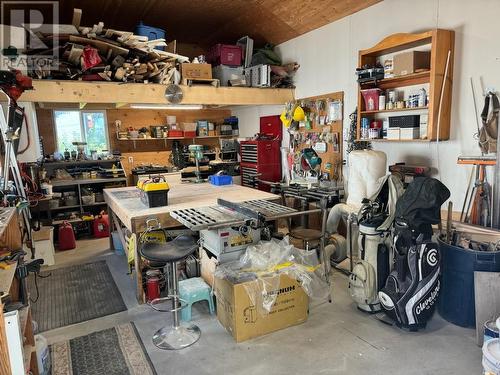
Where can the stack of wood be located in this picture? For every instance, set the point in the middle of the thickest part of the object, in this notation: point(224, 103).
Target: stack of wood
point(96, 53)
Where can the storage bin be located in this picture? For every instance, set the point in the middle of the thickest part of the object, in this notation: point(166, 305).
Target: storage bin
point(189, 129)
point(220, 180)
point(175, 133)
point(117, 244)
point(226, 73)
point(225, 54)
point(151, 32)
point(457, 299)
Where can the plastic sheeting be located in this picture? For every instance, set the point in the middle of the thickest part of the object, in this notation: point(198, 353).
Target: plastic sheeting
point(262, 264)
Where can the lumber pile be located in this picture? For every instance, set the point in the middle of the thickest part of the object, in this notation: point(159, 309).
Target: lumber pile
point(99, 54)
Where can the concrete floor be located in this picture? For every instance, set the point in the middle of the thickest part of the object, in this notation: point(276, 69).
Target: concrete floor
point(336, 339)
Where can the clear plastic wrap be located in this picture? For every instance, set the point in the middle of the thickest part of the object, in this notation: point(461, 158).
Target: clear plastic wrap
point(262, 264)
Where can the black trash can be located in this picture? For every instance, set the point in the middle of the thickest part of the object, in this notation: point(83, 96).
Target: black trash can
point(456, 299)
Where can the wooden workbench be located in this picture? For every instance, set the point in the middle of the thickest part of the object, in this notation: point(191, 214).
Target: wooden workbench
point(125, 206)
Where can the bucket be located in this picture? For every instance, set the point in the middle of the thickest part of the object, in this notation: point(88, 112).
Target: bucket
point(117, 244)
point(42, 355)
point(491, 357)
point(491, 331)
point(457, 300)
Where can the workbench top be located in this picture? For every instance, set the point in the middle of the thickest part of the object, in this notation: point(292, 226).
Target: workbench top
point(127, 206)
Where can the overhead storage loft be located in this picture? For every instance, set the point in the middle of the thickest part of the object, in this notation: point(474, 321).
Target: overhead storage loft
point(48, 91)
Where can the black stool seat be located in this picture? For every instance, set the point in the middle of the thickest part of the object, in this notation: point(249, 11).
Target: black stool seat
point(306, 234)
point(169, 252)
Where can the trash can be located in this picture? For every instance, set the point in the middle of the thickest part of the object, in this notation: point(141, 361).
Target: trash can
point(456, 299)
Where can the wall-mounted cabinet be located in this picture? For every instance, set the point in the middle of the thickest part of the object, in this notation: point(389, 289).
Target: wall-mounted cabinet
point(437, 81)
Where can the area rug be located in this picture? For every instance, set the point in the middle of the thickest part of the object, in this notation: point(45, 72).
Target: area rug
point(74, 294)
point(114, 351)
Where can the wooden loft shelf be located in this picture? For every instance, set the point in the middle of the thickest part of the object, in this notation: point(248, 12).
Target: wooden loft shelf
point(440, 42)
point(401, 81)
point(52, 91)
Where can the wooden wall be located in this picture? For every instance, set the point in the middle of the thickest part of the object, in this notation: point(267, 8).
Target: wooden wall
point(145, 152)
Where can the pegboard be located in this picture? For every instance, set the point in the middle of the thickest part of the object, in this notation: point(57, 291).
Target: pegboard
point(333, 155)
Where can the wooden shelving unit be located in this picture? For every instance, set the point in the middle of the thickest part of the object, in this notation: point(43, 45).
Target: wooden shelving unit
point(440, 42)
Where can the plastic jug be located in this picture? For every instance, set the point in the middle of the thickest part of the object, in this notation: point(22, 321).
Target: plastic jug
point(101, 226)
point(66, 236)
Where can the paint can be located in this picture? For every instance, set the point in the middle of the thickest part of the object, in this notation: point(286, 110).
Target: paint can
point(491, 357)
point(152, 285)
point(491, 331)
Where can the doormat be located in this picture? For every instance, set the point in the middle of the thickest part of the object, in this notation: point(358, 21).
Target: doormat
point(114, 351)
point(74, 294)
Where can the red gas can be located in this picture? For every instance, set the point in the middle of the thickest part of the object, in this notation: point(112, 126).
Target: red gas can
point(101, 226)
point(66, 236)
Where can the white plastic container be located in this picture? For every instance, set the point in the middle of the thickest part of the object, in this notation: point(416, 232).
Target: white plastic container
point(42, 355)
point(491, 357)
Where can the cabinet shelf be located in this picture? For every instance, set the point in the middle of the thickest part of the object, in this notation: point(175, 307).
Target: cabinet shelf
point(394, 110)
point(401, 81)
point(175, 138)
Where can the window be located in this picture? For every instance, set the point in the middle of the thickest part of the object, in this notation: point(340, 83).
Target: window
point(81, 126)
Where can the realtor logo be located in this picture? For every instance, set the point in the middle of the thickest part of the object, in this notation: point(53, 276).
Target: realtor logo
point(23, 27)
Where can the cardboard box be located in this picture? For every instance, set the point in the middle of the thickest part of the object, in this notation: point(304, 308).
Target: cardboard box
point(194, 71)
point(240, 317)
point(393, 133)
point(410, 62)
point(207, 265)
point(409, 133)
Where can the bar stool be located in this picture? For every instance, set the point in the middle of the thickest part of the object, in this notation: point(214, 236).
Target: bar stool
point(306, 236)
point(178, 336)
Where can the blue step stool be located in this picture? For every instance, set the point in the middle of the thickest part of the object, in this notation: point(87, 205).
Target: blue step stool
point(192, 291)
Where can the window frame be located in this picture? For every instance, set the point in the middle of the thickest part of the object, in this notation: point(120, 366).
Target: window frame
point(82, 126)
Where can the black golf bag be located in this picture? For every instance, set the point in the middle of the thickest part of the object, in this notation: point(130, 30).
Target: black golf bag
point(411, 290)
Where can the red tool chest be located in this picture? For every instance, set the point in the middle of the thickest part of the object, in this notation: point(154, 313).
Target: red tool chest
point(260, 157)
point(271, 126)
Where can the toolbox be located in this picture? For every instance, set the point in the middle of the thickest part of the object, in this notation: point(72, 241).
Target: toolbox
point(154, 191)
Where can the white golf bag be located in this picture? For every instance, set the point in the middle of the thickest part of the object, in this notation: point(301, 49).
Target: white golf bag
point(374, 243)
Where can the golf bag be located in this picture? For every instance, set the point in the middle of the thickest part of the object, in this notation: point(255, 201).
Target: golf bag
point(375, 258)
point(411, 290)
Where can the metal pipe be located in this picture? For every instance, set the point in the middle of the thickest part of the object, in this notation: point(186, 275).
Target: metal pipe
point(175, 295)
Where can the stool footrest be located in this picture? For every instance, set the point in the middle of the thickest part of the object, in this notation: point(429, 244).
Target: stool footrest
point(183, 303)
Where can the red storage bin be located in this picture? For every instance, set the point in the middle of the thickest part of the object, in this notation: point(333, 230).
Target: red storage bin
point(225, 54)
point(175, 133)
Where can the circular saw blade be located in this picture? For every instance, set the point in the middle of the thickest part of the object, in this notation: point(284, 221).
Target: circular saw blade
point(173, 94)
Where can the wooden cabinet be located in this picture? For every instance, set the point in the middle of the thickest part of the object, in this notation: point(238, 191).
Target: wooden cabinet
point(10, 237)
point(441, 45)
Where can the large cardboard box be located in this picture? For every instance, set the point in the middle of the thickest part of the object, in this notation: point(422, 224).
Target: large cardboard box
point(410, 62)
point(208, 266)
point(194, 71)
point(240, 316)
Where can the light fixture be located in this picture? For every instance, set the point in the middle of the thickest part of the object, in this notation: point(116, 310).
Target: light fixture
point(167, 106)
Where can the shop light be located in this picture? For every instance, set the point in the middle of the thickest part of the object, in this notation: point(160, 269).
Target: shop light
point(167, 106)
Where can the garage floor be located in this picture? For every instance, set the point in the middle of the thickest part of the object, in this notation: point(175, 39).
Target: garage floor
point(336, 339)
